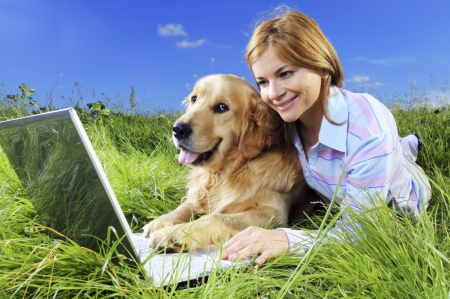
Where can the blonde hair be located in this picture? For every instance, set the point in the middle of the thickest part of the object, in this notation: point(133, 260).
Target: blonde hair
point(296, 38)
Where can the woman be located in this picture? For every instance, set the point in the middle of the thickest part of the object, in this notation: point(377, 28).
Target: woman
point(339, 135)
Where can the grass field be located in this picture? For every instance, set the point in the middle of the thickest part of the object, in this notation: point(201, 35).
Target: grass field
point(395, 258)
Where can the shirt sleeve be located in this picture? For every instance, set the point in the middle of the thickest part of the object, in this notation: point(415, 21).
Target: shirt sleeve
point(300, 241)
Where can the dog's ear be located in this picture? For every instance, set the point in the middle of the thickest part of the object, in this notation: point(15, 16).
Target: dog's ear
point(261, 128)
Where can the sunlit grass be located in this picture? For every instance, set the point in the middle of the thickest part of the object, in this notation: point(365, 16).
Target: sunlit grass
point(393, 257)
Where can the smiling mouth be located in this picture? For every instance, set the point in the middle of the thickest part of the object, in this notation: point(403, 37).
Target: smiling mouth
point(191, 158)
point(287, 103)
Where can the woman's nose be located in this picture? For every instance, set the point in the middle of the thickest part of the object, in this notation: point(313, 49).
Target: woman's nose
point(275, 91)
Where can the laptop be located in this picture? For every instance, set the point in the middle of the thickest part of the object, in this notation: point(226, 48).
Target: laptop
point(57, 166)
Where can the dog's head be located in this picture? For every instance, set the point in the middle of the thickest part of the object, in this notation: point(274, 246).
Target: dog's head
point(225, 118)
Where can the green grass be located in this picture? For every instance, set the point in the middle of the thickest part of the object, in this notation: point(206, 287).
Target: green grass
point(394, 257)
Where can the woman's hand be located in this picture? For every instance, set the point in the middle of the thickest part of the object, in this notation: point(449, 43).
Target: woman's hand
point(252, 240)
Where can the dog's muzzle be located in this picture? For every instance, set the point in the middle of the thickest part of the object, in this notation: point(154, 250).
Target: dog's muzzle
point(181, 131)
point(181, 134)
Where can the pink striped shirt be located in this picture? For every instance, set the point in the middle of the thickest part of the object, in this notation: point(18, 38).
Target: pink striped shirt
point(360, 160)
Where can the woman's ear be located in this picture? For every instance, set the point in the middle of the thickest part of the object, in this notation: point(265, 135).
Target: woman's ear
point(258, 131)
point(325, 74)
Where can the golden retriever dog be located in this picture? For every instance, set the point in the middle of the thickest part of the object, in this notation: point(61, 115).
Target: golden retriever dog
point(242, 174)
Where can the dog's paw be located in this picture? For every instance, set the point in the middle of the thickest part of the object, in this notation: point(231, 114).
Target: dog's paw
point(157, 224)
point(167, 239)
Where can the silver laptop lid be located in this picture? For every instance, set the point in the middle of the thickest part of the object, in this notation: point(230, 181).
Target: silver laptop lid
point(63, 178)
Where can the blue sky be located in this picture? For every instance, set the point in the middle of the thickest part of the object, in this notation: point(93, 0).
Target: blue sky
point(161, 46)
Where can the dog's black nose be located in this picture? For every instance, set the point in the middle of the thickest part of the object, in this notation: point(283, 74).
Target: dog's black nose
point(181, 131)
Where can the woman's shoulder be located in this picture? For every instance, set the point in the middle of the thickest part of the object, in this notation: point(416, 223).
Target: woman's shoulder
point(366, 105)
point(368, 117)
point(362, 101)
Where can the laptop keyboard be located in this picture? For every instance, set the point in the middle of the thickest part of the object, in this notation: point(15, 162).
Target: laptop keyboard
point(181, 267)
point(144, 249)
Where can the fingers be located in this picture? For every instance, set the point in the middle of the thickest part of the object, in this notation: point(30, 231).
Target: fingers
point(263, 257)
point(237, 243)
point(243, 234)
point(253, 240)
point(244, 252)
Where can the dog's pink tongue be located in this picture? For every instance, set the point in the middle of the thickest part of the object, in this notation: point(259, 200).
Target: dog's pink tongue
point(186, 157)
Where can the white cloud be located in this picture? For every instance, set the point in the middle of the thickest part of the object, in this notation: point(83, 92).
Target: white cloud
point(359, 58)
point(224, 46)
point(245, 33)
point(393, 60)
point(194, 44)
point(364, 81)
point(171, 30)
point(361, 79)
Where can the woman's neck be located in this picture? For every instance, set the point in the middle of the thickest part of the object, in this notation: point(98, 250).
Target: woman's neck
point(310, 121)
point(308, 127)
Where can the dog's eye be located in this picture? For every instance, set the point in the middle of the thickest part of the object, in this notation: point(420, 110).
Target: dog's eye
point(193, 99)
point(221, 108)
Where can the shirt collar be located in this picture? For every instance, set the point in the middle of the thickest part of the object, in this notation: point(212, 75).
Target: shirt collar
point(331, 135)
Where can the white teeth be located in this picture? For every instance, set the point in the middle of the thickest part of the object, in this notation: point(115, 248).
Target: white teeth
point(287, 103)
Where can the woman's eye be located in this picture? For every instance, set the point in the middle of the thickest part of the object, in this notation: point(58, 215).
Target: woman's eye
point(286, 74)
point(262, 82)
point(221, 108)
point(193, 99)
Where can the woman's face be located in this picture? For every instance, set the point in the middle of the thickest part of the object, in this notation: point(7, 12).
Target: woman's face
point(289, 89)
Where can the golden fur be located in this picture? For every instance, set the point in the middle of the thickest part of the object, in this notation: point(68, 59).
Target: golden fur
point(251, 179)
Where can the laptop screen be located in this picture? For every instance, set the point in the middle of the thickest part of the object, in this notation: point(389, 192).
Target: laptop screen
point(54, 166)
